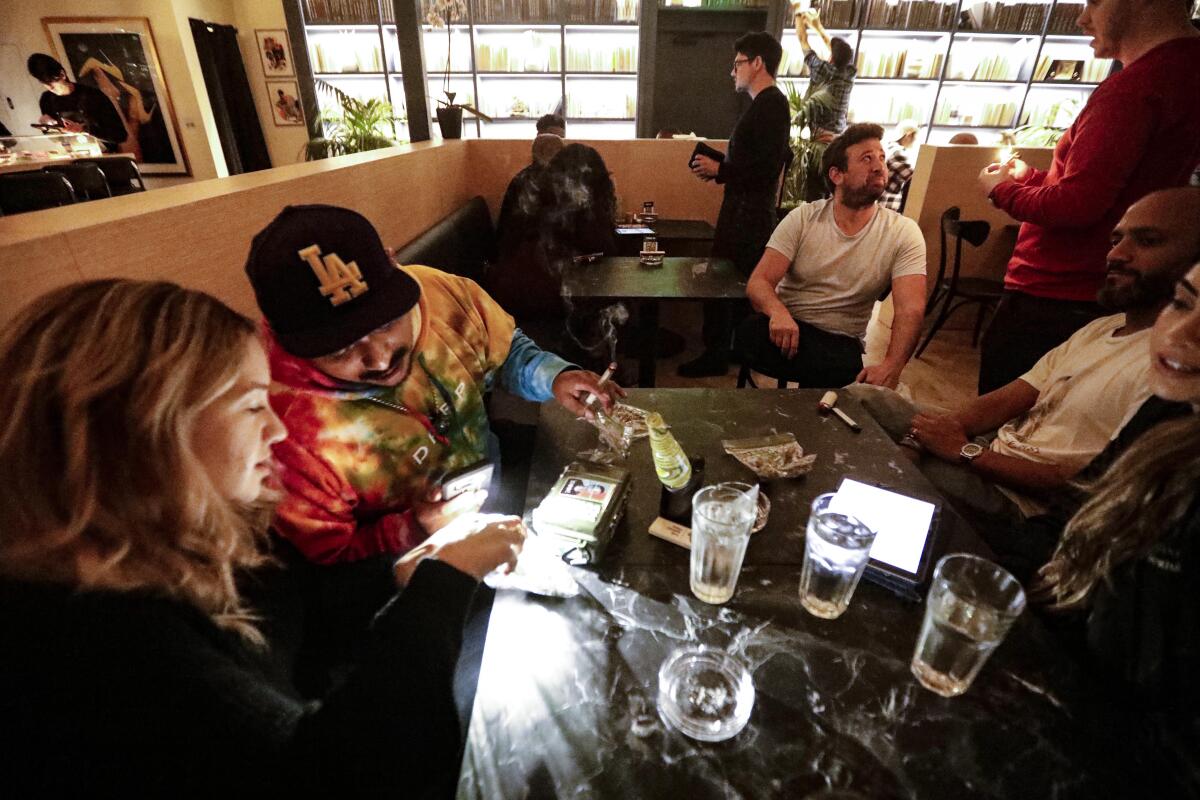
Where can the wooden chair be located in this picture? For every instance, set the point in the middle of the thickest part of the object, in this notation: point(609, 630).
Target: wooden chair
point(955, 292)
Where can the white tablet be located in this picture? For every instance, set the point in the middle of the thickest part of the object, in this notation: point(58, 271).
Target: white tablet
point(903, 525)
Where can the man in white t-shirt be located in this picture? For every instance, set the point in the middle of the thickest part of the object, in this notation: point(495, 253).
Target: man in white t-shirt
point(1054, 419)
point(824, 268)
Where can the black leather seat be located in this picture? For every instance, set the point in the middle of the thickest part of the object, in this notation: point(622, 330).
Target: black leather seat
point(122, 174)
point(33, 191)
point(463, 243)
point(87, 180)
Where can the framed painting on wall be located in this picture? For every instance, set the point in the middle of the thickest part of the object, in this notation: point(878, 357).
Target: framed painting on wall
point(117, 56)
point(285, 103)
point(275, 53)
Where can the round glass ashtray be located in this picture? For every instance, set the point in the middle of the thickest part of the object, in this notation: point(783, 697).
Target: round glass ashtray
point(705, 693)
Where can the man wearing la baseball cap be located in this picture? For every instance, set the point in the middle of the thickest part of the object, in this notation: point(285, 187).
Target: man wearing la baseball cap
point(379, 375)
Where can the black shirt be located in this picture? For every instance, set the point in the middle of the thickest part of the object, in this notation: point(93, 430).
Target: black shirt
point(108, 693)
point(758, 145)
point(90, 107)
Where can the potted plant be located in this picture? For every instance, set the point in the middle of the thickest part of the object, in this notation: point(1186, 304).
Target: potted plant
point(361, 125)
point(449, 113)
point(804, 181)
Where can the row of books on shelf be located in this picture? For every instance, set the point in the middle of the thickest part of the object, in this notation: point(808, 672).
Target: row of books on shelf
point(900, 63)
point(616, 106)
point(837, 13)
point(888, 114)
point(1055, 114)
point(612, 59)
point(792, 64)
point(341, 55)
point(1062, 18)
point(554, 11)
point(982, 114)
point(916, 15)
point(529, 52)
point(347, 11)
point(996, 16)
point(980, 67)
point(1069, 70)
point(730, 4)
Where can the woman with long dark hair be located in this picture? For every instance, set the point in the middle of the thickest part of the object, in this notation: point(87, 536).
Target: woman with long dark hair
point(1129, 560)
point(153, 646)
point(570, 211)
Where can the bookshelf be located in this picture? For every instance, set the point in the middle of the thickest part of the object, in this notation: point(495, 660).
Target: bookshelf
point(977, 65)
point(526, 58)
point(513, 59)
point(948, 64)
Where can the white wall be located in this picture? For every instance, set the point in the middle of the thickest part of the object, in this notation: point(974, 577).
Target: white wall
point(284, 143)
point(21, 25)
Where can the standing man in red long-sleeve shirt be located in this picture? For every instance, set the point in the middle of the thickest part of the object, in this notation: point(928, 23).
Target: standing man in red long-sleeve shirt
point(1139, 132)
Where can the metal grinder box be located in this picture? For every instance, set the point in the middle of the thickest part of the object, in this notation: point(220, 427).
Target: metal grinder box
point(579, 514)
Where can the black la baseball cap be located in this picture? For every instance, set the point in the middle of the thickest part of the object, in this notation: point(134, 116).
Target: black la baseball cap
point(323, 280)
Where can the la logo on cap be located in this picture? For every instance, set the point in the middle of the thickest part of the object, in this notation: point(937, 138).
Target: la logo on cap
point(340, 282)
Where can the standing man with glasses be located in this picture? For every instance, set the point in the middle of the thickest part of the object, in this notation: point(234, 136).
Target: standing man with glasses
point(750, 173)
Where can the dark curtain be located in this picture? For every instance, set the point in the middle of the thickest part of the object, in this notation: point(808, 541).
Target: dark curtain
point(229, 92)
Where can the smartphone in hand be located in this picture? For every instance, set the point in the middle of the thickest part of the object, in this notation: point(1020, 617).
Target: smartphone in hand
point(472, 478)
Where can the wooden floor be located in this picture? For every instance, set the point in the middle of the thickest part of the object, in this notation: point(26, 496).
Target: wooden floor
point(944, 376)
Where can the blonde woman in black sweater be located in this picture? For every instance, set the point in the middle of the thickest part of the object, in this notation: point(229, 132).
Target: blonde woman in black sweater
point(135, 465)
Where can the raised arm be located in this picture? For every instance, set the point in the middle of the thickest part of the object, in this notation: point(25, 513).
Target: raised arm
point(1109, 142)
point(801, 23)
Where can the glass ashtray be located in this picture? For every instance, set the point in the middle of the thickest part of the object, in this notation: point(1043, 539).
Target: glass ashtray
point(706, 694)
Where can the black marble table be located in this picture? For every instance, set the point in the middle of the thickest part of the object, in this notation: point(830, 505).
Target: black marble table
point(565, 702)
point(678, 278)
point(699, 420)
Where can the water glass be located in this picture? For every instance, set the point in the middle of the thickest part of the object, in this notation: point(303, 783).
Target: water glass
point(721, 520)
point(970, 607)
point(837, 548)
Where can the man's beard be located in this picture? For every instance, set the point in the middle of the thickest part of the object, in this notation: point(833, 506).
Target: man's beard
point(861, 196)
point(1146, 291)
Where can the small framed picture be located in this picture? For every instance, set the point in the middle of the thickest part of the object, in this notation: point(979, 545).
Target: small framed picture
point(285, 103)
point(275, 53)
point(1065, 70)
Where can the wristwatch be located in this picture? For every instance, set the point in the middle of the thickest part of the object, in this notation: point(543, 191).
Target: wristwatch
point(970, 451)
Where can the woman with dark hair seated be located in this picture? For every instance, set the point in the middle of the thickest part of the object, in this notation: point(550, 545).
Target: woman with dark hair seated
point(1128, 563)
point(570, 214)
point(135, 472)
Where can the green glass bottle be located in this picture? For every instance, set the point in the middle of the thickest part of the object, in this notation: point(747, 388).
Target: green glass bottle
point(672, 466)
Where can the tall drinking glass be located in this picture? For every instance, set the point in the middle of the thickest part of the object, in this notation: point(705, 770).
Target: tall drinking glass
point(721, 520)
point(971, 605)
point(836, 550)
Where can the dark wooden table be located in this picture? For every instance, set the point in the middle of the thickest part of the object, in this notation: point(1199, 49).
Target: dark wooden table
point(679, 237)
point(679, 278)
point(565, 702)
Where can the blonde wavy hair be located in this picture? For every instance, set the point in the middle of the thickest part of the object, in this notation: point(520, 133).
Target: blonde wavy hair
point(1144, 494)
point(99, 487)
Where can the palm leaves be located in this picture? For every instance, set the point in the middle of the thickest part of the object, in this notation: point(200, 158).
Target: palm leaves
point(362, 125)
point(804, 180)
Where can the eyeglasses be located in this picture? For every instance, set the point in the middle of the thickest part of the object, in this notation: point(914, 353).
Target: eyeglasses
point(737, 62)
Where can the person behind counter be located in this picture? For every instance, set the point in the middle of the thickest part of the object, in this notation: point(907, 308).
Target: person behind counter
point(135, 464)
point(76, 107)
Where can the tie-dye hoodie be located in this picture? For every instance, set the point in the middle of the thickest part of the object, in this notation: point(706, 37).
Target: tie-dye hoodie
point(351, 465)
